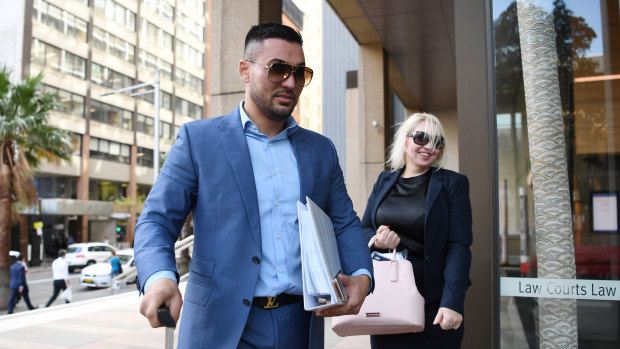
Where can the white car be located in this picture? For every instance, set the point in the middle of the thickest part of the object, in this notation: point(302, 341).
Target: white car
point(81, 255)
point(99, 274)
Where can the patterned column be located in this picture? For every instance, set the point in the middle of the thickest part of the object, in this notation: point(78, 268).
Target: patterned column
point(552, 208)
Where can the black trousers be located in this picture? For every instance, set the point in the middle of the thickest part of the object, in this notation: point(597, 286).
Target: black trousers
point(59, 286)
point(13, 298)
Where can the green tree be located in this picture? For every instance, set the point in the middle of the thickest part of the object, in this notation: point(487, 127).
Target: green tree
point(25, 140)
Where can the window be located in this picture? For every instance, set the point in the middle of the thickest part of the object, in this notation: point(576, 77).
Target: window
point(155, 35)
point(161, 7)
point(145, 125)
point(190, 26)
point(145, 157)
point(68, 102)
point(109, 78)
point(188, 81)
point(165, 99)
point(57, 59)
point(59, 19)
point(113, 45)
point(587, 151)
point(189, 54)
point(109, 150)
point(151, 63)
point(111, 115)
point(198, 5)
point(112, 10)
point(181, 106)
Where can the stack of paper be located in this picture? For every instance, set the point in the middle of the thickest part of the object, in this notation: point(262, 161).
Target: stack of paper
point(320, 259)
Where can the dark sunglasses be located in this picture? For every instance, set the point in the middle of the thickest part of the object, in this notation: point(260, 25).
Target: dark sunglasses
point(279, 72)
point(422, 138)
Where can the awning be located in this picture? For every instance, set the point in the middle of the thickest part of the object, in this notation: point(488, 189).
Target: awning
point(70, 207)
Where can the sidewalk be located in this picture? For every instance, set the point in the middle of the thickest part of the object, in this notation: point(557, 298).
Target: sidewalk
point(107, 322)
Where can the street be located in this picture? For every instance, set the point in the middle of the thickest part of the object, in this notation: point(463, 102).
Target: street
point(41, 288)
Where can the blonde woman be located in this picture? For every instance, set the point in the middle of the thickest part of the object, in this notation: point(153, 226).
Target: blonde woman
point(424, 209)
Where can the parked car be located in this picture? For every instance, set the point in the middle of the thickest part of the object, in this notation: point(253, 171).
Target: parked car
point(99, 274)
point(81, 255)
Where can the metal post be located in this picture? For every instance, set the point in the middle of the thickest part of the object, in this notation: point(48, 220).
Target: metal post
point(156, 126)
point(156, 105)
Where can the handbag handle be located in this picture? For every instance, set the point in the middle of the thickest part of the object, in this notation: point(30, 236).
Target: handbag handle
point(393, 261)
point(372, 242)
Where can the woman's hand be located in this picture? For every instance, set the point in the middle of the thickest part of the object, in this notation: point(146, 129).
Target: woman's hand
point(386, 238)
point(448, 319)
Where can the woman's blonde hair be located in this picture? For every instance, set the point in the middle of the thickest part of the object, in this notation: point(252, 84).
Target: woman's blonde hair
point(433, 127)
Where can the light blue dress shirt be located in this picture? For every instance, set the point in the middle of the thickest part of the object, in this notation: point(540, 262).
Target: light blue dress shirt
point(277, 187)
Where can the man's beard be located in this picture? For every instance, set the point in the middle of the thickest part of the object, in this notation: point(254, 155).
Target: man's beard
point(270, 110)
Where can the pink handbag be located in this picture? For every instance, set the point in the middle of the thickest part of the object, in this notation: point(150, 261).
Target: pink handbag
point(395, 306)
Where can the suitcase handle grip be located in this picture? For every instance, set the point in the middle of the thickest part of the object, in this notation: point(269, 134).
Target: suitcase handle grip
point(163, 314)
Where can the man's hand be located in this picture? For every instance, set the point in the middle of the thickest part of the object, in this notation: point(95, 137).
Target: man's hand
point(357, 289)
point(163, 291)
point(448, 319)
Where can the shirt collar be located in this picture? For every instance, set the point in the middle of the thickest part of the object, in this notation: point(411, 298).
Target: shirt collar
point(290, 125)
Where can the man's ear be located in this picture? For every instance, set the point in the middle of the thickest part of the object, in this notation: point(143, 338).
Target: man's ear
point(244, 71)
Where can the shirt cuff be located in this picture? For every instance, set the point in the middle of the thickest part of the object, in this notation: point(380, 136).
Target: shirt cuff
point(159, 275)
point(361, 272)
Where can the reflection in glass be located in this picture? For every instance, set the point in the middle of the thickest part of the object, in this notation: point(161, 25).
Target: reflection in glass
point(589, 77)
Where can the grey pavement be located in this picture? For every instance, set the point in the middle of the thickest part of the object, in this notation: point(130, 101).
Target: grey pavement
point(106, 322)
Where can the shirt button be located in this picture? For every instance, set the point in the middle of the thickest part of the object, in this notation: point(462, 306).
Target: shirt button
point(277, 236)
point(281, 270)
point(256, 260)
point(246, 302)
point(268, 145)
point(277, 203)
point(275, 172)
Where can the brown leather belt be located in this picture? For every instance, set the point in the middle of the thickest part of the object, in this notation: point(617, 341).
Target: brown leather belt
point(274, 302)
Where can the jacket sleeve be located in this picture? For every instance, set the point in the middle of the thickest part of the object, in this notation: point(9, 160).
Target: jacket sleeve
point(460, 237)
point(353, 249)
point(166, 208)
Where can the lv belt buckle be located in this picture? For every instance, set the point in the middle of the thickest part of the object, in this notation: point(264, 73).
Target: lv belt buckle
point(271, 303)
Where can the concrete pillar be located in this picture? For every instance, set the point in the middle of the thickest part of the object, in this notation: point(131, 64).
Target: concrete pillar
point(230, 22)
point(131, 194)
point(82, 188)
point(476, 136)
point(369, 120)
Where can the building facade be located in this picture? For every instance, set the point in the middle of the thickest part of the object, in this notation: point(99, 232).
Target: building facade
point(86, 49)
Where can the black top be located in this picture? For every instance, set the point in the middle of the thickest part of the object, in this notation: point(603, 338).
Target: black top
point(404, 210)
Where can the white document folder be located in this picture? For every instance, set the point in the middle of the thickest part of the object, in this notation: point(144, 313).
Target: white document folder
point(320, 259)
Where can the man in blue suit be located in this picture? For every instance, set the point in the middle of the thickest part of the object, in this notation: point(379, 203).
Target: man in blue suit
point(18, 284)
point(240, 176)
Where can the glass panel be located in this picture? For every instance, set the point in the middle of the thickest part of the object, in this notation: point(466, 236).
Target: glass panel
point(588, 67)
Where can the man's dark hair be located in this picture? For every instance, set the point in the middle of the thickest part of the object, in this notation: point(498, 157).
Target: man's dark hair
point(258, 33)
point(61, 252)
point(20, 257)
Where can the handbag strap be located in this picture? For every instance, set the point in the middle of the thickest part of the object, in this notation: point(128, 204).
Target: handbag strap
point(372, 242)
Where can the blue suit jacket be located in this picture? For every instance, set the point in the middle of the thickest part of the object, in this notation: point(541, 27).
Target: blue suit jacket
point(447, 234)
point(17, 272)
point(208, 172)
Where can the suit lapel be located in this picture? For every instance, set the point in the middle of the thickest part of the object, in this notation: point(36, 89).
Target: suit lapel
point(384, 188)
point(304, 164)
point(238, 155)
point(434, 189)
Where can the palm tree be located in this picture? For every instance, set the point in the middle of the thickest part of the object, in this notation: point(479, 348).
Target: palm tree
point(25, 140)
point(554, 229)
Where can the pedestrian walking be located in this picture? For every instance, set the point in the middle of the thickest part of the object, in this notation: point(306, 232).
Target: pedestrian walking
point(18, 284)
point(60, 274)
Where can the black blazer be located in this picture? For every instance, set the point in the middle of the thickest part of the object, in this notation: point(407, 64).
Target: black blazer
point(447, 233)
